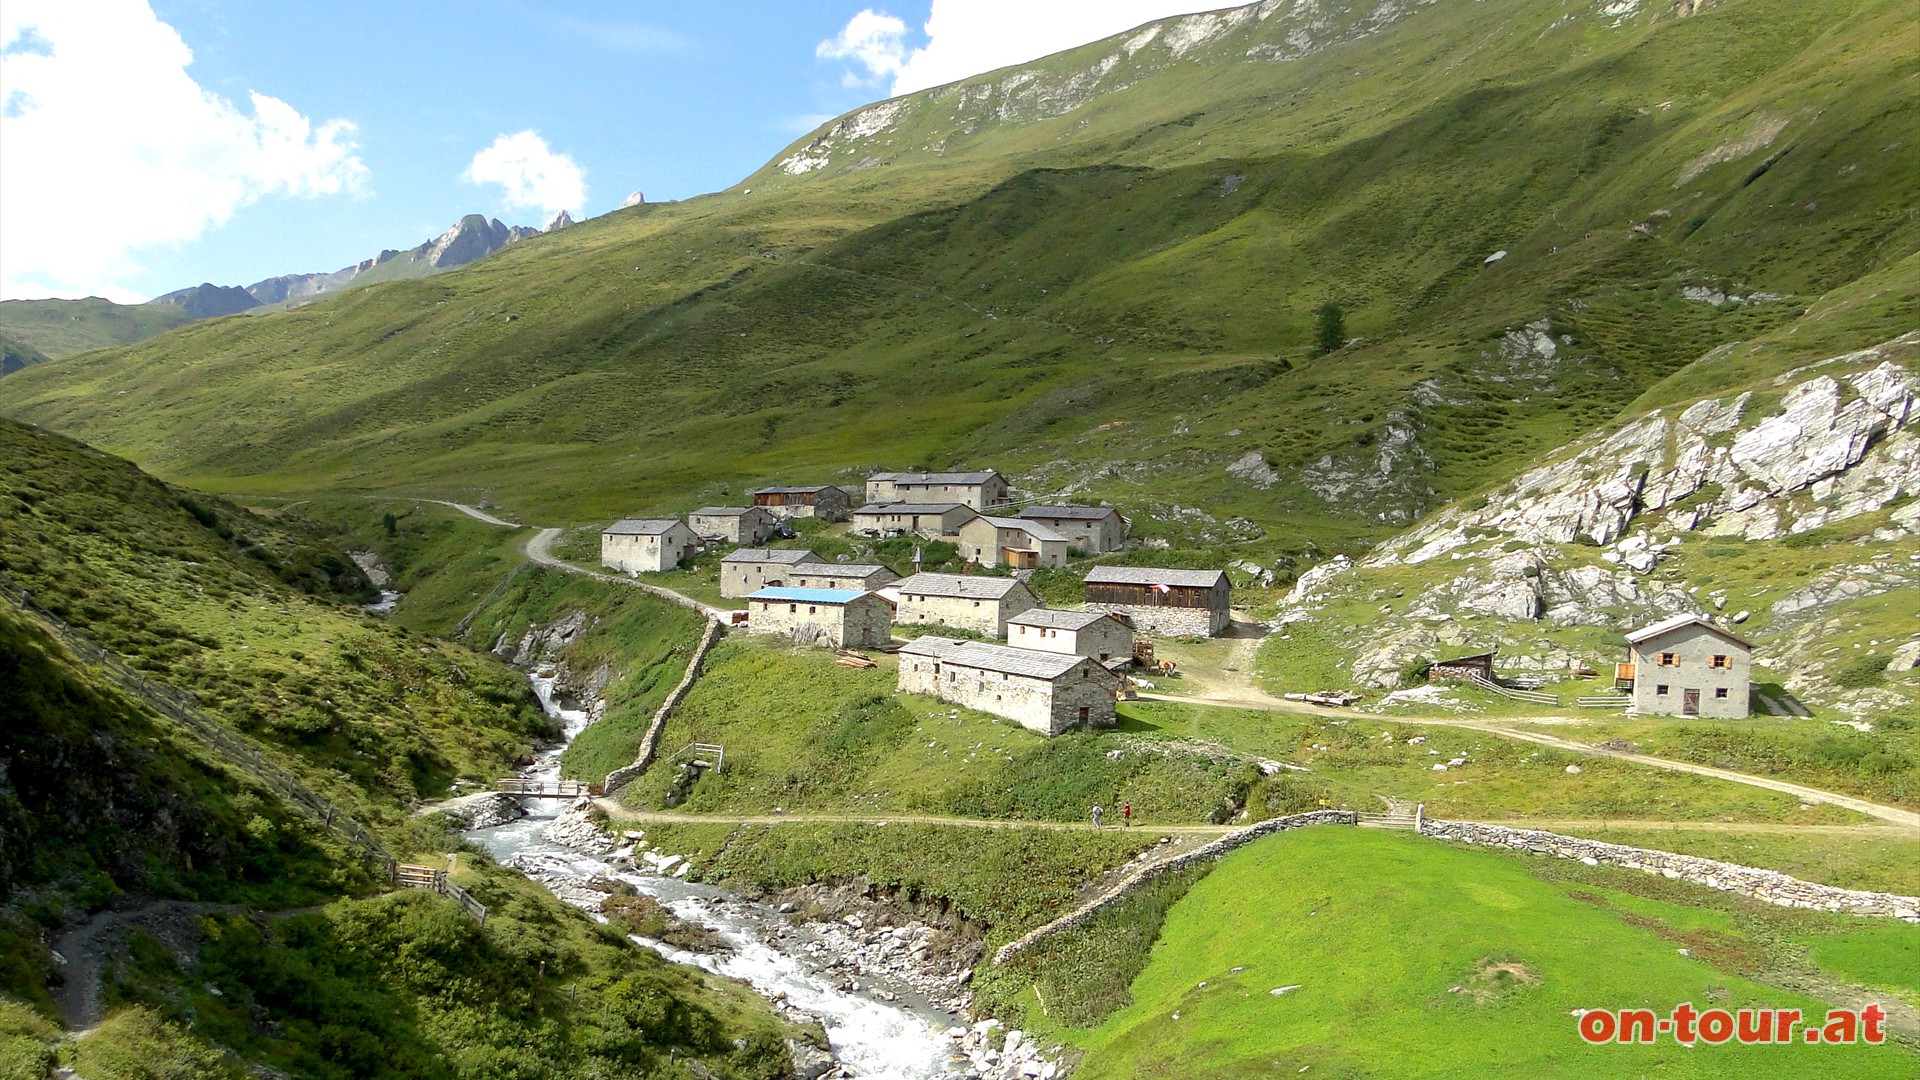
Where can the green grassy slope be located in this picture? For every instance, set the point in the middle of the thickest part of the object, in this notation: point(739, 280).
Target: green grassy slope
point(257, 620)
point(62, 328)
point(1413, 959)
point(1082, 287)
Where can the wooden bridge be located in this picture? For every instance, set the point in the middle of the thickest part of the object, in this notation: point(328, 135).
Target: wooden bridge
point(542, 789)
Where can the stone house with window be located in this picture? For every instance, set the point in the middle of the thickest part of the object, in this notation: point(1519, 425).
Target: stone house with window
point(747, 525)
point(825, 502)
point(979, 490)
point(1098, 634)
point(980, 604)
point(1088, 529)
point(1015, 542)
point(829, 618)
point(935, 521)
point(646, 545)
point(1046, 692)
point(1181, 603)
point(745, 571)
point(1687, 666)
point(826, 575)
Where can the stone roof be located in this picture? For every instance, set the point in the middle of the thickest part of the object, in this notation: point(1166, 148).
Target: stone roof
point(809, 596)
point(1031, 528)
point(1154, 575)
point(954, 585)
point(1058, 620)
point(1667, 626)
point(980, 477)
point(986, 656)
point(790, 490)
point(640, 526)
point(724, 511)
point(1068, 513)
point(784, 556)
point(831, 569)
point(910, 508)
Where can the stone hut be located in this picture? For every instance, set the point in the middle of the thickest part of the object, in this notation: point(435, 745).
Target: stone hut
point(1098, 634)
point(1687, 666)
point(980, 604)
point(747, 525)
point(830, 618)
point(1015, 542)
point(979, 490)
point(746, 571)
point(826, 575)
point(646, 545)
point(1180, 603)
point(1046, 692)
point(825, 502)
point(935, 521)
point(1088, 529)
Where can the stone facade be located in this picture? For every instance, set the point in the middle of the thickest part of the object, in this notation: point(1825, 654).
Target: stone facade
point(932, 520)
point(731, 524)
point(1097, 634)
point(826, 502)
point(1168, 621)
point(980, 604)
point(646, 546)
point(825, 575)
point(978, 490)
point(1044, 692)
point(829, 618)
point(1090, 529)
point(1015, 542)
point(1688, 667)
point(748, 570)
point(1770, 886)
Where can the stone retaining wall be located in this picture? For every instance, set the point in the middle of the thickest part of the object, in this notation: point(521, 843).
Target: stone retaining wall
point(650, 742)
point(1770, 886)
point(1212, 850)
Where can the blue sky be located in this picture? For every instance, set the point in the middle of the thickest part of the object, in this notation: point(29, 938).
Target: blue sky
point(153, 144)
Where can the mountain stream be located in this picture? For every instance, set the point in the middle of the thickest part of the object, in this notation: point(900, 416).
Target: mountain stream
point(905, 1039)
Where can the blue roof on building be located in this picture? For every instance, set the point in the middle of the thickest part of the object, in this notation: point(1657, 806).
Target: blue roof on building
point(808, 596)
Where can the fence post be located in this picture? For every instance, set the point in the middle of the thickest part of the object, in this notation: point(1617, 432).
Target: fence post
point(1419, 817)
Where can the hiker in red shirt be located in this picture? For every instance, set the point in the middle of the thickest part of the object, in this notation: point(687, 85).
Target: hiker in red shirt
point(1126, 814)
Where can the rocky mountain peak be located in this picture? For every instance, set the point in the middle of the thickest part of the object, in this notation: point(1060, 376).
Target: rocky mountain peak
point(560, 221)
point(209, 301)
point(634, 199)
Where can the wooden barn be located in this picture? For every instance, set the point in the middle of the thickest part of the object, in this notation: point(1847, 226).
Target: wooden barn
point(1182, 603)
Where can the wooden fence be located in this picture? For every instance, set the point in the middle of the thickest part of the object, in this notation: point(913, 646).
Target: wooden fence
point(1603, 701)
point(1535, 697)
point(409, 876)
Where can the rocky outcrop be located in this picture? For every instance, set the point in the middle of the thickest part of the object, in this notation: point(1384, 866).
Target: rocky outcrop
point(559, 221)
point(635, 199)
point(470, 238)
point(1842, 444)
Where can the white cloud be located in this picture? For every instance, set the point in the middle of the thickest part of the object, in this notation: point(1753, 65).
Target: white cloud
point(967, 37)
point(872, 40)
point(111, 148)
point(533, 175)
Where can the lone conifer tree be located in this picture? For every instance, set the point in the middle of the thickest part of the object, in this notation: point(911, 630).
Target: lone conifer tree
point(1333, 328)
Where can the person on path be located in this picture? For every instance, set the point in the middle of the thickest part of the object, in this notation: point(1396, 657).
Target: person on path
point(1126, 814)
point(1096, 815)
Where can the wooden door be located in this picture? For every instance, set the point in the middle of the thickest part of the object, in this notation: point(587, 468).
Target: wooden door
point(1690, 702)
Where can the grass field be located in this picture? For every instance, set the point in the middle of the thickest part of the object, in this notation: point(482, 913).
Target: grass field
point(1412, 959)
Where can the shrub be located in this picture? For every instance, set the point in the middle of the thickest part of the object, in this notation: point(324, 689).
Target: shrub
point(1867, 669)
point(1414, 671)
